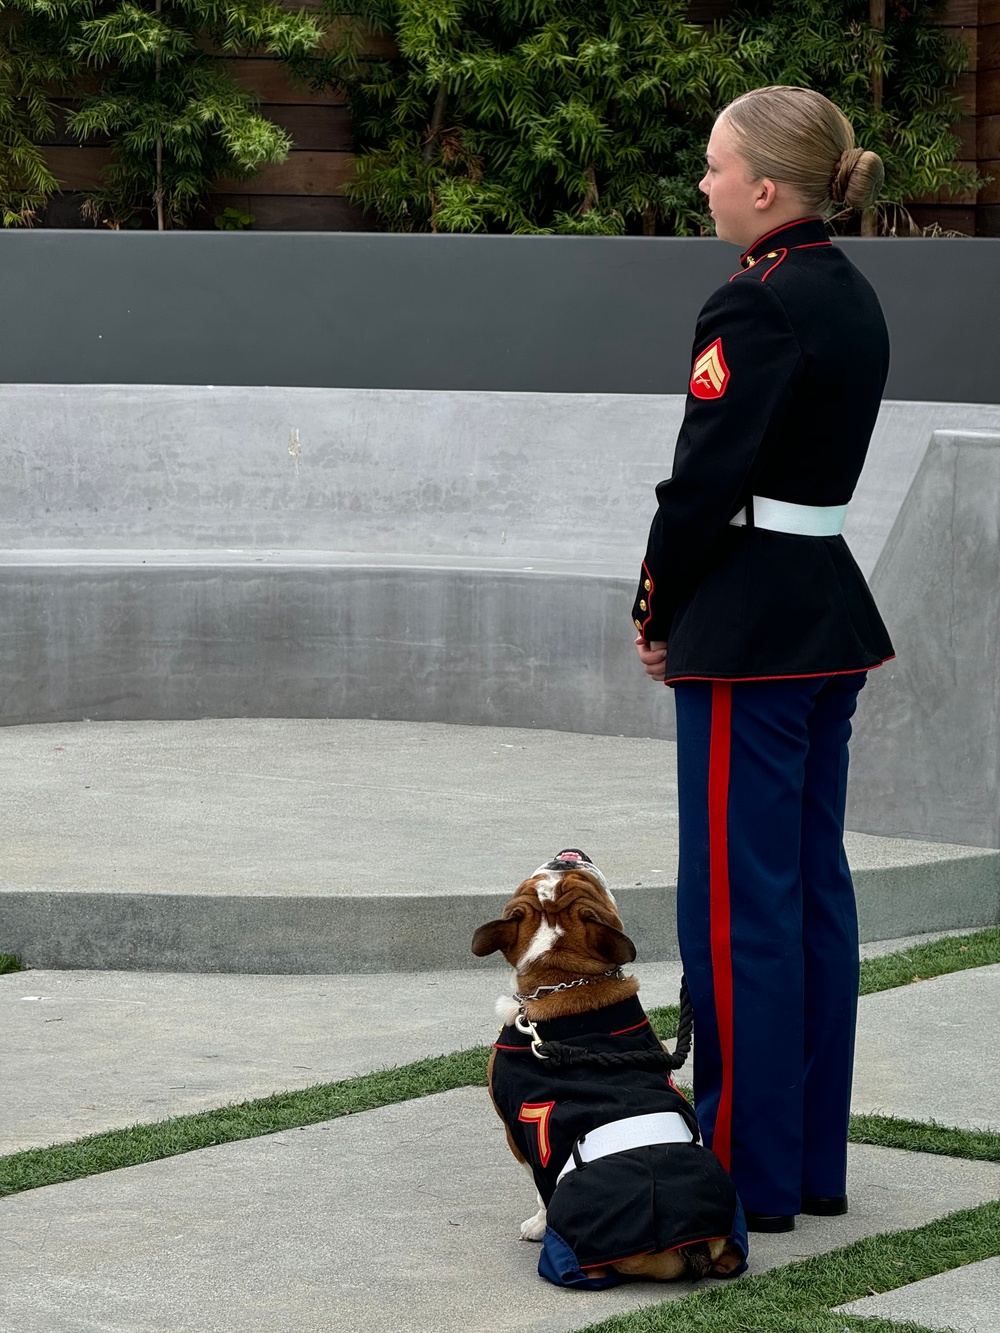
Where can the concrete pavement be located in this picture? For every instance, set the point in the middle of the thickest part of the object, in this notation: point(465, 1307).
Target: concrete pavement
point(400, 1220)
point(351, 845)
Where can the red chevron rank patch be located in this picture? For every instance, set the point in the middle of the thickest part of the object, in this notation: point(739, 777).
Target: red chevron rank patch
point(710, 374)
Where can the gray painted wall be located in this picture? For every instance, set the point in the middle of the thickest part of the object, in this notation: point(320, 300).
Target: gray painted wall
point(539, 314)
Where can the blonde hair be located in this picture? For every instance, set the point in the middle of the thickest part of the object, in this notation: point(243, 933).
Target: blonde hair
point(799, 137)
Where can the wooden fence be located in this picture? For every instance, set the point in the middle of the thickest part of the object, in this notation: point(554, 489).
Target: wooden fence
point(305, 193)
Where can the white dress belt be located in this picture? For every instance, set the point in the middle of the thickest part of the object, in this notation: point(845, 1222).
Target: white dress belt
point(802, 520)
point(636, 1131)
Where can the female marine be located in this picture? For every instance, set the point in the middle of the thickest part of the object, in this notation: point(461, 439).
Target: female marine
point(752, 608)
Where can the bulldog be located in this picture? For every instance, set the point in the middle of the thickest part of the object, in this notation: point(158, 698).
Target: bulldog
point(625, 1188)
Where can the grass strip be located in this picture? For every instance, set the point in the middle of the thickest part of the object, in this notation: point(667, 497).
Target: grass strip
point(244, 1120)
point(883, 1131)
point(954, 953)
point(797, 1298)
point(136, 1144)
point(9, 962)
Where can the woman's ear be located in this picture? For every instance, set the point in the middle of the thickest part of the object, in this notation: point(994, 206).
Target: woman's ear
point(495, 935)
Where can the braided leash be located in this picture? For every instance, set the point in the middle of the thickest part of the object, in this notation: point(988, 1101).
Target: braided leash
point(564, 1055)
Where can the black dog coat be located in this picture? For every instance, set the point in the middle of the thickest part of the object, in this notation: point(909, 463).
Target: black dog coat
point(639, 1201)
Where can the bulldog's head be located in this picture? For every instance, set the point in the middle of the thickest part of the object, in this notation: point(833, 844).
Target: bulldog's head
point(562, 918)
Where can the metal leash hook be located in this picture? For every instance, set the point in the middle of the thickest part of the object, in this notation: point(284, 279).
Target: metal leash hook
point(524, 1024)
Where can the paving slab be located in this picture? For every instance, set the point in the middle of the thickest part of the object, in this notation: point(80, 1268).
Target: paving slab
point(964, 1300)
point(303, 845)
point(402, 1219)
point(931, 1050)
point(88, 1051)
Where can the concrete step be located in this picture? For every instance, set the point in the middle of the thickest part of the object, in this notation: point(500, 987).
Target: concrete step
point(304, 846)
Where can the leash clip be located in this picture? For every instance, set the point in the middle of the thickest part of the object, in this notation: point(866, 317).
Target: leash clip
point(524, 1024)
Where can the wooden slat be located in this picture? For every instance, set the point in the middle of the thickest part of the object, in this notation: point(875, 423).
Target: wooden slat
point(297, 212)
point(990, 194)
point(965, 88)
point(966, 131)
point(963, 197)
point(988, 92)
point(988, 220)
point(373, 44)
point(989, 11)
point(957, 12)
point(77, 168)
point(709, 11)
point(969, 37)
point(989, 47)
point(949, 219)
point(301, 173)
point(988, 138)
point(323, 127)
point(272, 83)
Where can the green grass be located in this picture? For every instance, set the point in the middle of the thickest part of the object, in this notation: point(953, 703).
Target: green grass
point(976, 1145)
point(923, 961)
point(9, 962)
point(797, 1298)
point(136, 1144)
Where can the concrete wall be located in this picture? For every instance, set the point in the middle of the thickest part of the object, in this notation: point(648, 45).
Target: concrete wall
point(531, 313)
point(173, 552)
point(926, 760)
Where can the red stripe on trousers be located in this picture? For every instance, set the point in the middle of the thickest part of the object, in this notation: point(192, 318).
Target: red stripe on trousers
point(718, 906)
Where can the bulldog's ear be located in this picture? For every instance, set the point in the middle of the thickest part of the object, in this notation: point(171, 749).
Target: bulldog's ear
point(496, 935)
point(613, 946)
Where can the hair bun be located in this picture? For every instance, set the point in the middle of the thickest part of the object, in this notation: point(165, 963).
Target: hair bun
point(857, 178)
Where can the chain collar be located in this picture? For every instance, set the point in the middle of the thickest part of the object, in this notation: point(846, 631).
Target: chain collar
point(539, 991)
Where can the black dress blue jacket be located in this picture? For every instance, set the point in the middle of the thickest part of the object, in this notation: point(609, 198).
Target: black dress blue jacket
point(789, 362)
point(638, 1201)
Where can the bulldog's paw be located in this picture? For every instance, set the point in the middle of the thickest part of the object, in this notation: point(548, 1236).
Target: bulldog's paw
point(533, 1228)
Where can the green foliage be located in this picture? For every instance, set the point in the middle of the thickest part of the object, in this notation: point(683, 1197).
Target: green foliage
point(234, 219)
point(831, 46)
point(580, 117)
point(590, 117)
point(25, 117)
point(9, 962)
point(174, 115)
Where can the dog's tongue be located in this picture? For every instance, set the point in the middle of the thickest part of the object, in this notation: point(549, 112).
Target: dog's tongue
point(572, 854)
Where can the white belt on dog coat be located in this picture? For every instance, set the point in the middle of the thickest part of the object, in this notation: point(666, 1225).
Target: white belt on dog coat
point(636, 1131)
point(801, 520)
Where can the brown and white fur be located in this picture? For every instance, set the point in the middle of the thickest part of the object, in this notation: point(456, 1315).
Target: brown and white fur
point(562, 923)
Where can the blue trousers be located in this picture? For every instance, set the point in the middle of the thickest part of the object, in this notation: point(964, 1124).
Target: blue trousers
point(768, 928)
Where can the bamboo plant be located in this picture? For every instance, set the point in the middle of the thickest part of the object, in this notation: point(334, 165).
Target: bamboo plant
point(174, 115)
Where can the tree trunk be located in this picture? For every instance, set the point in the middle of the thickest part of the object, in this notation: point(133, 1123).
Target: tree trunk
point(869, 218)
point(437, 120)
point(158, 192)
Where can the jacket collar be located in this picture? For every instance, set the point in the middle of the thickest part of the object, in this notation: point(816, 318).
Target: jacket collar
point(803, 231)
point(611, 1021)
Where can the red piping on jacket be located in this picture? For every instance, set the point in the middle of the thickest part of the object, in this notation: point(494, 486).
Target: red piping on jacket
point(643, 1253)
point(719, 908)
point(783, 255)
point(649, 599)
point(801, 675)
point(810, 217)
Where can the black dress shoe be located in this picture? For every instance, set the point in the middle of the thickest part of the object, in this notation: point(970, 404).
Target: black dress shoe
point(833, 1205)
point(769, 1221)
